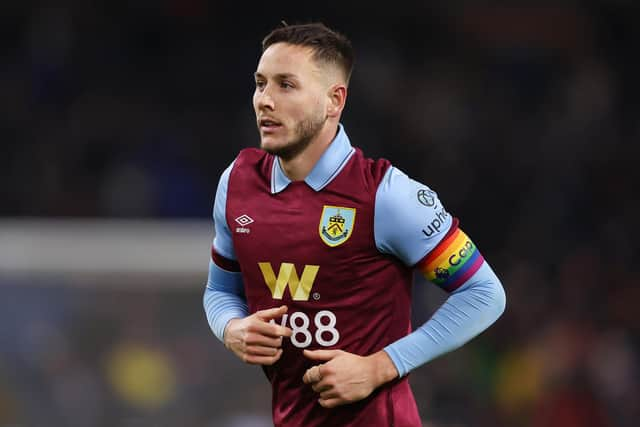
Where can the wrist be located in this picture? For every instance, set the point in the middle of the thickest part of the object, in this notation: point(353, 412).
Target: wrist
point(384, 368)
point(224, 333)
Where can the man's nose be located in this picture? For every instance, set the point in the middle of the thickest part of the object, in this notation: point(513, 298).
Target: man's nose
point(265, 100)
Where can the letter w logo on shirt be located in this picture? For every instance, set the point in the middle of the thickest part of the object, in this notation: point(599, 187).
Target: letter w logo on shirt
point(300, 288)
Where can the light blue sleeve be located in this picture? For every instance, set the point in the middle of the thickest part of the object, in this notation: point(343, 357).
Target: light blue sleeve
point(409, 219)
point(224, 297)
point(222, 241)
point(409, 222)
point(468, 311)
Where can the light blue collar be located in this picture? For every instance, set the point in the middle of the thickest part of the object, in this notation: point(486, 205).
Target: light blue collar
point(330, 164)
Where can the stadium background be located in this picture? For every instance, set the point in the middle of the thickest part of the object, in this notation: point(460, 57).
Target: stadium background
point(116, 119)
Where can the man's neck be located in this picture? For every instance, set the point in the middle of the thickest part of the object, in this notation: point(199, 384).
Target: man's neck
point(300, 166)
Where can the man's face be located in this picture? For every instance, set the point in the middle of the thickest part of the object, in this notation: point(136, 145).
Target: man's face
point(290, 99)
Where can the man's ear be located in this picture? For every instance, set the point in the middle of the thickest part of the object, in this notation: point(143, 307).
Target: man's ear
point(337, 99)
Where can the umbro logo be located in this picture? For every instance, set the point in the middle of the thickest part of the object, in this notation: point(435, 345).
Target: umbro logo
point(243, 221)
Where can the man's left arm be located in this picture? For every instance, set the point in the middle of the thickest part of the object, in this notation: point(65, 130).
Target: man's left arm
point(425, 236)
point(468, 311)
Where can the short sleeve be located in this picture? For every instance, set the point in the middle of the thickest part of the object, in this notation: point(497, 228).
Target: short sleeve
point(222, 241)
point(409, 219)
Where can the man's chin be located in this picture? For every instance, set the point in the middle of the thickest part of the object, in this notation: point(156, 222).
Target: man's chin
point(270, 146)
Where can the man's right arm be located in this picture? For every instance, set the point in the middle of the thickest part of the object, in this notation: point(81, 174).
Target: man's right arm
point(224, 297)
point(251, 337)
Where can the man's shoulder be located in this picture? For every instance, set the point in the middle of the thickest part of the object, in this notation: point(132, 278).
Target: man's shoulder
point(373, 168)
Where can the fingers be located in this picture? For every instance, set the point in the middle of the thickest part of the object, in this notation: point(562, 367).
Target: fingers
point(254, 359)
point(271, 313)
point(257, 339)
point(330, 397)
point(331, 402)
point(323, 355)
point(330, 393)
point(270, 329)
point(321, 386)
point(313, 375)
point(263, 322)
point(259, 350)
point(261, 354)
point(254, 338)
point(262, 349)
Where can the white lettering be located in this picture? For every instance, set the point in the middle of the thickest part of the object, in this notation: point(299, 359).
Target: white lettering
point(299, 322)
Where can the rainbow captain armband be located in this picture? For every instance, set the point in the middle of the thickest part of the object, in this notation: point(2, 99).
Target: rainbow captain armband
point(452, 262)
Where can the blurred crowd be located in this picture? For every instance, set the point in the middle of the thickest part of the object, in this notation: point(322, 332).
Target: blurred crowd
point(523, 117)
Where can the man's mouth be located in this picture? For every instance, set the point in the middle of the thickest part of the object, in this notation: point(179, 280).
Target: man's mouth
point(269, 124)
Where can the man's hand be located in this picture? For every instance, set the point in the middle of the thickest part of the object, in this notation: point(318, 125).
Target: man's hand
point(346, 377)
point(254, 340)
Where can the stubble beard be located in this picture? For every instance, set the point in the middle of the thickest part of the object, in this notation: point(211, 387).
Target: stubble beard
point(305, 132)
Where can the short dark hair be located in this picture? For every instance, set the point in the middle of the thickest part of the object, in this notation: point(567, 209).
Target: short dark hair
point(328, 46)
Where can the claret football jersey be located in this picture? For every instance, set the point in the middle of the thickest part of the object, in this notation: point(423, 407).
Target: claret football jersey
point(338, 249)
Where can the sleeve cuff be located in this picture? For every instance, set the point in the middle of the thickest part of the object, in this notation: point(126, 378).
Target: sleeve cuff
point(396, 359)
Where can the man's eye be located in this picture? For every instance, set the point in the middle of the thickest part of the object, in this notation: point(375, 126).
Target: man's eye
point(286, 85)
point(259, 84)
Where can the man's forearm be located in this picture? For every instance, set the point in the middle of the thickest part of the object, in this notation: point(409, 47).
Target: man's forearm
point(467, 312)
point(220, 308)
point(223, 299)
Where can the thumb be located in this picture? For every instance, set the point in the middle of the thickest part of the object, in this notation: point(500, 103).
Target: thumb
point(322, 354)
point(271, 313)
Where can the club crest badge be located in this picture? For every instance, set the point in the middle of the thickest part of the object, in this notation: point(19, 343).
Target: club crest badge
point(336, 224)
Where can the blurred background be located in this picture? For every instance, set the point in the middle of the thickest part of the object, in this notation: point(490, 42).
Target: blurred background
point(117, 118)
